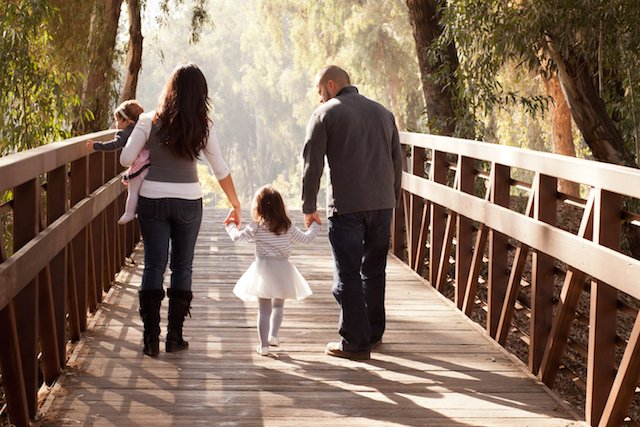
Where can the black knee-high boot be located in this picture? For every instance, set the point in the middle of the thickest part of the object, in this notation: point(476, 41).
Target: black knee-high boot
point(150, 301)
point(179, 305)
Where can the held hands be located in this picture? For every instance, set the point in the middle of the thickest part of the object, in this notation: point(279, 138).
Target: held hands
point(235, 216)
point(310, 218)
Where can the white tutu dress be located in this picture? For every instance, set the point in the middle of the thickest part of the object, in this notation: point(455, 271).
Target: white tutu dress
point(272, 275)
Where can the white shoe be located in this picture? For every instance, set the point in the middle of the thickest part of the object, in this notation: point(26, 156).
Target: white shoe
point(274, 341)
point(125, 218)
point(262, 351)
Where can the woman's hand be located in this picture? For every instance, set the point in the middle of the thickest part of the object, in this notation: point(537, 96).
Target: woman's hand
point(89, 146)
point(229, 189)
point(235, 216)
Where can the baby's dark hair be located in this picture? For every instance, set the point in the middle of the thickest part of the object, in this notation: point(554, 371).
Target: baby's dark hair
point(268, 208)
point(129, 110)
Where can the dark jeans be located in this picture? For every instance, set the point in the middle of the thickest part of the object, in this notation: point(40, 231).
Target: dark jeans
point(168, 225)
point(360, 242)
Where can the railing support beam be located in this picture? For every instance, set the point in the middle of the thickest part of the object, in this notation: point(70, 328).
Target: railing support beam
point(602, 313)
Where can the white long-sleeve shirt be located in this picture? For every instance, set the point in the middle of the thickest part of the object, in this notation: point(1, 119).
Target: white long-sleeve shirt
point(158, 190)
point(269, 244)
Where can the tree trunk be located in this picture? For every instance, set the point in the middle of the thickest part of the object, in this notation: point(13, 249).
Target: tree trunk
point(599, 131)
point(588, 111)
point(425, 21)
point(134, 54)
point(97, 94)
point(562, 137)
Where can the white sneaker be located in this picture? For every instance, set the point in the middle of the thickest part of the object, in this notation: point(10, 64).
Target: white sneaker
point(125, 218)
point(262, 351)
point(274, 341)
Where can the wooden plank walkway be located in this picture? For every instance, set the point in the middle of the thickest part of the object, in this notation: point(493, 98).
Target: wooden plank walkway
point(434, 368)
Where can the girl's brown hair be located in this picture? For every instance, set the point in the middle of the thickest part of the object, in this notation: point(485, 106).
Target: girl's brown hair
point(268, 208)
point(183, 115)
point(129, 110)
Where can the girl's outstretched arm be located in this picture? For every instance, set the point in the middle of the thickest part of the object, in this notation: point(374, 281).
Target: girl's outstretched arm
point(244, 235)
point(299, 236)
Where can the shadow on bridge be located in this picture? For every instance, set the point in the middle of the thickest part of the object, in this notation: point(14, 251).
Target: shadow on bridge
point(532, 280)
point(435, 367)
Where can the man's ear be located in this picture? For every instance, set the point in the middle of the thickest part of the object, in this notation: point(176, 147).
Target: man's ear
point(331, 88)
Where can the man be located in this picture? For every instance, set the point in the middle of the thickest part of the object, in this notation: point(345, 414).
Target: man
point(360, 140)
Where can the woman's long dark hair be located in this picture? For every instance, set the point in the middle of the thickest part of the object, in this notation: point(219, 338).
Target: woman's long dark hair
point(183, 115)
point(268, 208)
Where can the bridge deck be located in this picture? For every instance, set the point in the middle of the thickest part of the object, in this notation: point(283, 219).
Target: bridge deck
point(435, 367)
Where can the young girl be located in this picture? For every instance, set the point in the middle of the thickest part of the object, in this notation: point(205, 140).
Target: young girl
point(271, 278)
point(126, 117)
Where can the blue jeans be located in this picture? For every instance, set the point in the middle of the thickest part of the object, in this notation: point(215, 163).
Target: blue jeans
point(360, 242)
point(168, 225)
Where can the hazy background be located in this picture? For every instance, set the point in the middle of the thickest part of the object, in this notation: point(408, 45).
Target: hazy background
point(260, 84)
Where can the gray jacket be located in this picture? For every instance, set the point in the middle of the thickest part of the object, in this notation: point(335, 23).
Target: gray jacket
point(360, 140)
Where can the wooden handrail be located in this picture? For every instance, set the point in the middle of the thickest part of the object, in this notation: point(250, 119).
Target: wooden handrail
point(23, 266)
point(602, 263)
point(60, 265)
point(614, 178)
point(439, 213)
point(19, 168)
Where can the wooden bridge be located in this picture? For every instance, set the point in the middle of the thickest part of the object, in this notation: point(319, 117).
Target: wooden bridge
point(71, 335)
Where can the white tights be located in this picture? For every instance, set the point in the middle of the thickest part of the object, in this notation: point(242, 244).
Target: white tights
point(269, 319)
point(133, 191)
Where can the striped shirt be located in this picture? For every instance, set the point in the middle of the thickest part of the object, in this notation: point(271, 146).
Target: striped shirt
point(269, 244)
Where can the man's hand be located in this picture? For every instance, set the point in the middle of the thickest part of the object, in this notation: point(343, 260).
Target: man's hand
point(312, 217)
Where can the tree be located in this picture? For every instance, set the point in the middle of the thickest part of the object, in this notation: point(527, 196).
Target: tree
point(98, 61)
point(33, 99)
point(370, 39)
point(582, 39)
point(437, 66)
point(592, 45)
point(562, 134)
point(134, 52)
point(97, 91)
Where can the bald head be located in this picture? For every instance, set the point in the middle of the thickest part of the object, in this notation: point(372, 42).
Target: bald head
point(335, 73)
point(330, 80)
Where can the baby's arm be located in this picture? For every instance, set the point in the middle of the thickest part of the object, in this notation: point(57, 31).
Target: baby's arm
point(299, 236)
point(115, 144)
point(244, 235)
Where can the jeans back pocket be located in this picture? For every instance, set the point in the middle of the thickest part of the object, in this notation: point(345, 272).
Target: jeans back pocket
point(190, 211)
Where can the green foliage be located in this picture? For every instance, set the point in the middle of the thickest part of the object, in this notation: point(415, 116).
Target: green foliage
point(200, 18)
point(602, 33)
point(260, 60)
point(249, 82)
point(372, 40)
point(33, 99)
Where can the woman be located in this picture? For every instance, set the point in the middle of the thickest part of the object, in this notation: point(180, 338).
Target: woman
point(170, 204)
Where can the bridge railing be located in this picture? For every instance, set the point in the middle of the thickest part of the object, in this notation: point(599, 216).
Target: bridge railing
point(472, 212)
point(60, 250)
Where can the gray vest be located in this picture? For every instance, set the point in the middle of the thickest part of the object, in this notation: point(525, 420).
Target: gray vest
point(166, 166)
